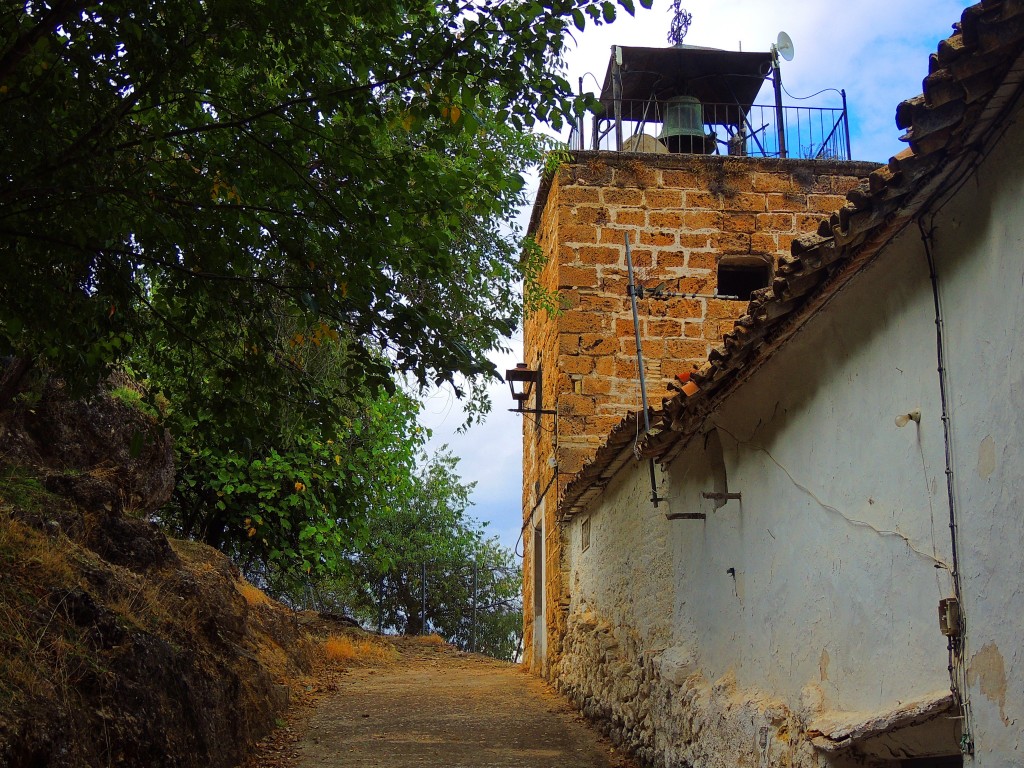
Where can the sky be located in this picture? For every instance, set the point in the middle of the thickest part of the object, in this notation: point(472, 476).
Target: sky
point(877, 50)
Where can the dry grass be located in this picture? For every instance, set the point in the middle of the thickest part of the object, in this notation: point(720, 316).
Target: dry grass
point(43, 559)
point(104, 471)
point(60, 602)
point(34, 634)
point(252, 595)
point(30, 556)
point(432, 639)
point(140, 603)
point(21, 489)
point(355, 650)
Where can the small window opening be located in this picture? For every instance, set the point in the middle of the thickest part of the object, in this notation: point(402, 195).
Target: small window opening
point(742, 278)
point(585, 533)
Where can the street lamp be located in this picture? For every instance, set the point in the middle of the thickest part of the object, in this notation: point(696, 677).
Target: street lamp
point(522, 382)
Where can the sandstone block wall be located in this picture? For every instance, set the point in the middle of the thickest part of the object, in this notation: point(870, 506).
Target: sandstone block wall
point(682, 214)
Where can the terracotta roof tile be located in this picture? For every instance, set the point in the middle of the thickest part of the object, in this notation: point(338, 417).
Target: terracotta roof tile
point(974, 76)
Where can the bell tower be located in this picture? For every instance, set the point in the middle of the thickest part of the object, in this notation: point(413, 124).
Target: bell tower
point(709, 188)
point(693, 100)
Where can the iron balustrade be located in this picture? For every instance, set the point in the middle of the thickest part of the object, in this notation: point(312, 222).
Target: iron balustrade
point(810, 133)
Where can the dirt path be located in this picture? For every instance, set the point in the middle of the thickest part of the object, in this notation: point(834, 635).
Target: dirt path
point(438, 707)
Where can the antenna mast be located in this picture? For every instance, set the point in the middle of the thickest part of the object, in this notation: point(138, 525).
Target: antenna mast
point(640, 366)
point(680, 23)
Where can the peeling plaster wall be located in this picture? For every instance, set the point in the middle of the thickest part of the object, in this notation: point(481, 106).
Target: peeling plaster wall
point(835, 544)
point(979, 242)
point(633, 669)
point(814, 598)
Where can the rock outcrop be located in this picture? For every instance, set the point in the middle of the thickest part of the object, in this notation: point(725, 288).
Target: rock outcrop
point(119, 646)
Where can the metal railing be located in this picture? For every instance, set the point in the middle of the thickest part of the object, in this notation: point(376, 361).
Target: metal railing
point(812, 133)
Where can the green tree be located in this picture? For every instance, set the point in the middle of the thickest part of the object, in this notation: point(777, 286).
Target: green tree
point(283, 484)
point(312, 491)
point(211, 159)
point(428, 532)
point(198, 187)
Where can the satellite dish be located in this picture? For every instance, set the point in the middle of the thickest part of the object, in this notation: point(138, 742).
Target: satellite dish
point(784, 46)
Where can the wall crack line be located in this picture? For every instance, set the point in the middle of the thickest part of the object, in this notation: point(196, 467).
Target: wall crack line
point(936, 561)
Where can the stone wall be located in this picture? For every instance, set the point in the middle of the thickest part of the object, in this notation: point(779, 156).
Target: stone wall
point(682, 214)
point(659, 705)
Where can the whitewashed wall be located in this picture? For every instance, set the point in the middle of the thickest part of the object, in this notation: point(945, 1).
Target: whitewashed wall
point(980, 253)
point(842, 523)
point(839, 550)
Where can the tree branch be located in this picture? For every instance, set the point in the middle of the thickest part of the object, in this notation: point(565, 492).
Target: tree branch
point(20, 48)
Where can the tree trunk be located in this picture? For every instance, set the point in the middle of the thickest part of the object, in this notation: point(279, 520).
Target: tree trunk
point(10, 381)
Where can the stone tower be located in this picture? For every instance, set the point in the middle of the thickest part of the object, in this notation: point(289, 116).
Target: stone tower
point(711, 226)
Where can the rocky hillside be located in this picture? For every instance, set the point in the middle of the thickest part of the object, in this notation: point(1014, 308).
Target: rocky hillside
point(119, 647)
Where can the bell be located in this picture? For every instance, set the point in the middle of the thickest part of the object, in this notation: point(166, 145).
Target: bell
point(683, 127)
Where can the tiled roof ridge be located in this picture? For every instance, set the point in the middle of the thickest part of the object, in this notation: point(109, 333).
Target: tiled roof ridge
point(974, 76)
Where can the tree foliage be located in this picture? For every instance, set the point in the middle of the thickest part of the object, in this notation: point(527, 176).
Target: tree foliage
point(333, 496)
point(216, 158)
point(425, 551)
point(272, 213)
point(286, 486)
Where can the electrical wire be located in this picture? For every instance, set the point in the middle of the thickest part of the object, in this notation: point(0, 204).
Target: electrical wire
point(594, 78)
point(539, 425)
point(955, 645)
point(971, 160)
point(926, 238)
point(805, 98)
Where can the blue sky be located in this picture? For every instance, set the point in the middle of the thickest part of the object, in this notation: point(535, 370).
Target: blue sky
point(877, 50)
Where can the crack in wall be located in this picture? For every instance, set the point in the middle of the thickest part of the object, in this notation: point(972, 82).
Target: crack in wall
point(936, 561)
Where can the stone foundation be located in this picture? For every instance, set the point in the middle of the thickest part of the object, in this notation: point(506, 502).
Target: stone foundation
point(658, 705)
